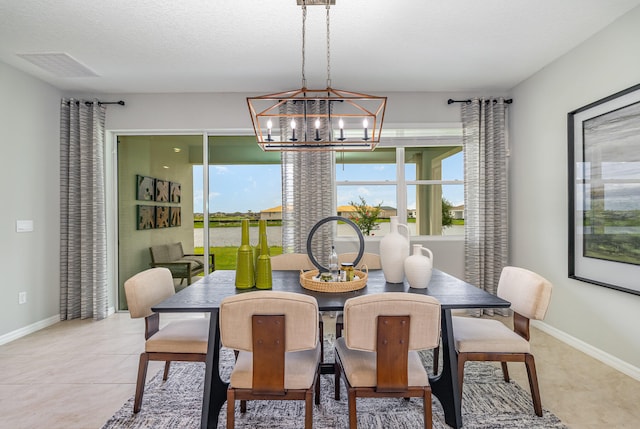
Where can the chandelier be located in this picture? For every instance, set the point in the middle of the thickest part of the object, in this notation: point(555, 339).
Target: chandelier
point(326, 119)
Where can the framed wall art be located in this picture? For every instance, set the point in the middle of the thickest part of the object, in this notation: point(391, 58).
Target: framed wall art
point(146, 216)
point(145, 188)
point(175, 192)
point(162, 191)
point(162, 217)
point(604, 191)
point(175, 216)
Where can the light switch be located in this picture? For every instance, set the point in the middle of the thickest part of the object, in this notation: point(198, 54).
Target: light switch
point(24, 225)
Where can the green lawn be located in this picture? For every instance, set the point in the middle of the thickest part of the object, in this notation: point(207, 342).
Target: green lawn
point(226, 256)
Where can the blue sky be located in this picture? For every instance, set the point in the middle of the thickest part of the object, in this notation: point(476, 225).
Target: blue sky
point(240, 188)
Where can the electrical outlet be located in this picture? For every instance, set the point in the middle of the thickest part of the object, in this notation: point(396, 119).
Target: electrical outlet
point(22, 298)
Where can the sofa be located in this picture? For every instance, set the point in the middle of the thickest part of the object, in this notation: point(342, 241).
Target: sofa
point(182, 266)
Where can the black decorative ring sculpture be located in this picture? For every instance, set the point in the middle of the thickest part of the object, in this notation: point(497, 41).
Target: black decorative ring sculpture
point(329, 219)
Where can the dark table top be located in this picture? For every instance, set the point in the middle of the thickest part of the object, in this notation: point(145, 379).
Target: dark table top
point(205, 295)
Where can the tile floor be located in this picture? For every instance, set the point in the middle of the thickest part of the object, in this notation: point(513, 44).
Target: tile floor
point(76, 374)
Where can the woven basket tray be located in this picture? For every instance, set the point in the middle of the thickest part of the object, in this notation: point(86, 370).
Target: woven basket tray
point(308, 281)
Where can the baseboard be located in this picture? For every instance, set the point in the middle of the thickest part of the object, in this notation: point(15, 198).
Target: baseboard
point(19, 333)
point(604, 357)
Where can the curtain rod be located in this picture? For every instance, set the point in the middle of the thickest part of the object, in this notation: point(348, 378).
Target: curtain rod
point(100, 103)
point(451, 101)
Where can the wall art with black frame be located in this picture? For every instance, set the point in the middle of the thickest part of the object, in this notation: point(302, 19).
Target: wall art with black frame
point(160, 191)
point(604, 191)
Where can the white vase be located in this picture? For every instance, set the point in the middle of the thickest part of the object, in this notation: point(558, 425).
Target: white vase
point(394, 249)
point(418, 267)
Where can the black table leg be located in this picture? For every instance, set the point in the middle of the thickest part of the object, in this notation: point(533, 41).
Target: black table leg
point(445, 385)
point(215, 390)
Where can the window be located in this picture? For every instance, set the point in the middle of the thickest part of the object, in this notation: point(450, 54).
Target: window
point(425, 188)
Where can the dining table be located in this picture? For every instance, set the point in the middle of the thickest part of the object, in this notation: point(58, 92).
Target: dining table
point(205, 296)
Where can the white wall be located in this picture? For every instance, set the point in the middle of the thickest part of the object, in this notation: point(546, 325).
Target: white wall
point(29, 262)
point(603, 318)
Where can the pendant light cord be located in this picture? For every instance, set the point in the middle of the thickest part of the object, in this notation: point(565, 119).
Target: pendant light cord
point(304, 32)
point(328, 48)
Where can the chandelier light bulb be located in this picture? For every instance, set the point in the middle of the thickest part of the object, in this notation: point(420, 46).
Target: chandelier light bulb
point(269, 126)
point(365, 124)
point(293, 130)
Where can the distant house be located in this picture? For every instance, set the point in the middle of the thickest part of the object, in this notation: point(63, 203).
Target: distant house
point(457, 212)
point(385, 211)
point(274, 213)
point(348, 211)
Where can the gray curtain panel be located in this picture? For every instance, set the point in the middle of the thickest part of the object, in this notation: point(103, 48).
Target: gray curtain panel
point(308, 191)
point(485, 191)
point(83, 250)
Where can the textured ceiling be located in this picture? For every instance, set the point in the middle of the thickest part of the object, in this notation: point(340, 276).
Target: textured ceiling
point(255, 45)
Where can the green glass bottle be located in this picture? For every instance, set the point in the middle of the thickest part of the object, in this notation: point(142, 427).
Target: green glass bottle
point(262, 228)
point(264, 279)
point(245, 274)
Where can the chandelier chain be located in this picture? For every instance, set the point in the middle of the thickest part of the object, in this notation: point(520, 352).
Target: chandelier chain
point(304, 32)
point(328, 48)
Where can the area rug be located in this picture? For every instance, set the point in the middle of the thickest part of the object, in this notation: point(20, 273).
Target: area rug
point(488, 403)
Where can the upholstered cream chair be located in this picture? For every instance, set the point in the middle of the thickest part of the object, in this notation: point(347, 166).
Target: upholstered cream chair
point(371, 260)
point(291, 262)
point(180, 340)
point(377, 356)
point(298, 262)
point(276, 334)
point(490, 340)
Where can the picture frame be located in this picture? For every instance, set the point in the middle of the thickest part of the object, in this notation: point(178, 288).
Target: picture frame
point(146, 217)
point(604, 191)
point(162, 217)
point(145, 188)
point(175, 192)
point(162, 191)
point(175, 216)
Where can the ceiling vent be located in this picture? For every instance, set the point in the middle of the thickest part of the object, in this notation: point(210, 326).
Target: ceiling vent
point(59, 64)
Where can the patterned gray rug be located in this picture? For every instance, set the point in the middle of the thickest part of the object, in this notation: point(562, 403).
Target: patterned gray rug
point(488, 403)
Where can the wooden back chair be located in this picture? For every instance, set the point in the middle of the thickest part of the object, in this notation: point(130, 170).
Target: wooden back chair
point(491, 340)
point(181, 340)
point(377, 356)
point(276, 334)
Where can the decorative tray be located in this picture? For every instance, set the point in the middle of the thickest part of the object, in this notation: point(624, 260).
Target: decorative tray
point(309, 280)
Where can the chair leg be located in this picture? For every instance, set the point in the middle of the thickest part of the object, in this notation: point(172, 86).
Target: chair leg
point(308, 409)
point(462, 358)
point(243, 406)
point(231, 402)
point(533, 384)
point(353, 418)
point(339, 327)
point(142, 376)
point(167, 364)
point(317, 387)
point(505, 371)
point(428, 417)
point(336, 383)
point(321, 328)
